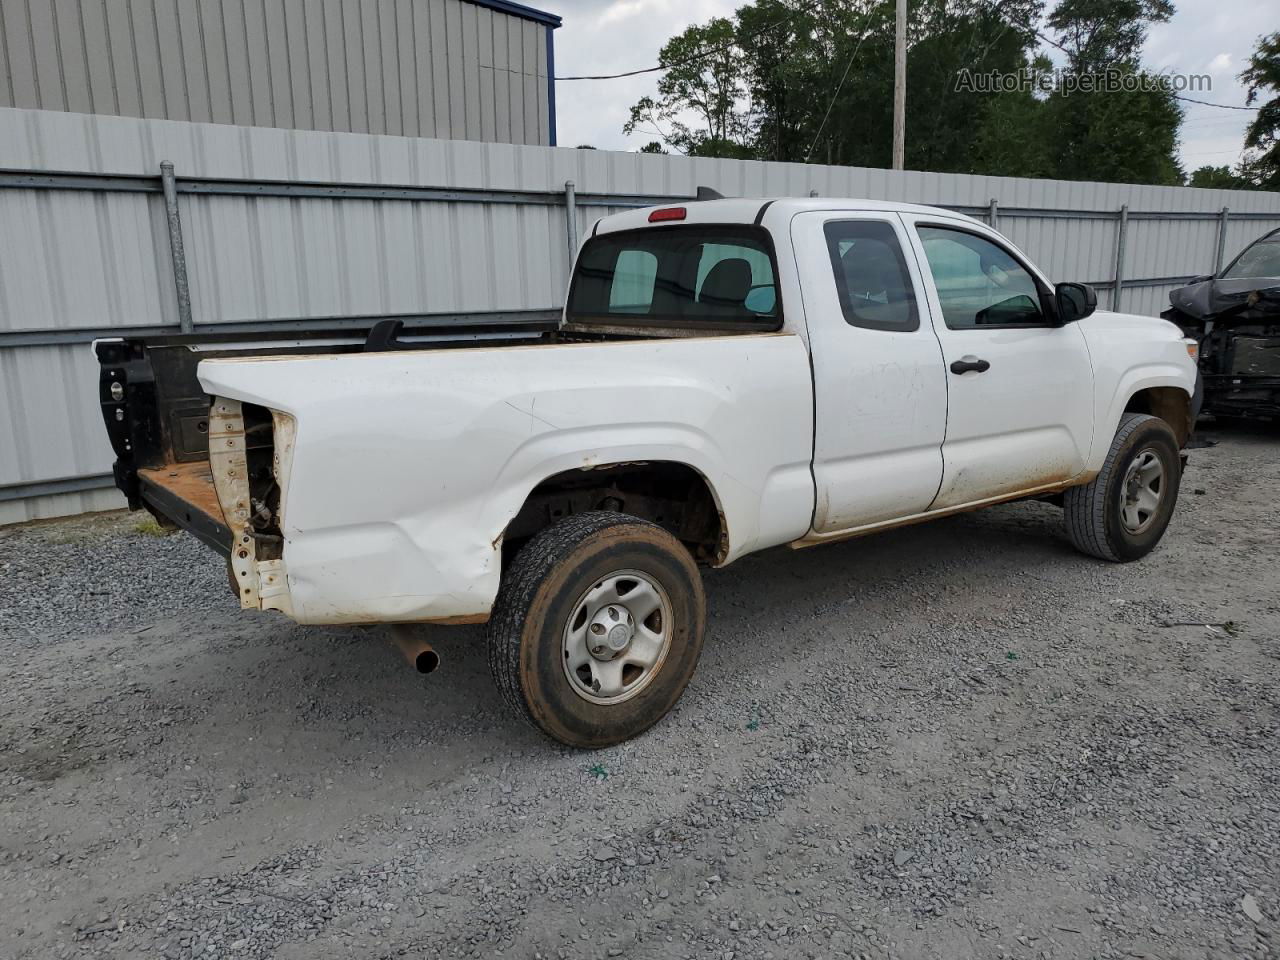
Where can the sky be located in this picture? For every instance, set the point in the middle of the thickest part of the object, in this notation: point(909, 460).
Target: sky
point(1213, 37)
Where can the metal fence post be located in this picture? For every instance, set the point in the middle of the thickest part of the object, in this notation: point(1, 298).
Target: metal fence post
point(176, 251)
point(1222, 239)
point(993, 215)
point(1122, 227)
point(571, 218)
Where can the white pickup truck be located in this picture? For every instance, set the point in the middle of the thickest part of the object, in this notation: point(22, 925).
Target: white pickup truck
point(727, 376)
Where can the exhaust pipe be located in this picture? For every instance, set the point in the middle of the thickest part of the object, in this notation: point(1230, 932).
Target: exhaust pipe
point(420, 654)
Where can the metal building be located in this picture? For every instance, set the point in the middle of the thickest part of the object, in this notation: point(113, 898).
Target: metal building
point(447, 69)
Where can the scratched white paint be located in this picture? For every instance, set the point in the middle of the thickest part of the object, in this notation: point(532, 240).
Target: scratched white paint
point(406, 467)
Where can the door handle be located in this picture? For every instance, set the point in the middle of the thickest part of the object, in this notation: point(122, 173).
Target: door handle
point(970, 363)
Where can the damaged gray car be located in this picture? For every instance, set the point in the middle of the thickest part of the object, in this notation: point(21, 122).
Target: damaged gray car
point(1235, 317)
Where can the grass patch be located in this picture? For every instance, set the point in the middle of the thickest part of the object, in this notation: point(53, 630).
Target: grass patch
point(148, 527)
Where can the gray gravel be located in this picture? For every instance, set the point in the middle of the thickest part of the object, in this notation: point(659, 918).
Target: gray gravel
point(954, 740)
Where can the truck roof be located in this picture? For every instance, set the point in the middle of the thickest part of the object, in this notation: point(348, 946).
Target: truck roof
point(753, 209)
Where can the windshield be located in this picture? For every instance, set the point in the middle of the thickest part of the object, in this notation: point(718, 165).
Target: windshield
point(1260, 261)
point(679, 276)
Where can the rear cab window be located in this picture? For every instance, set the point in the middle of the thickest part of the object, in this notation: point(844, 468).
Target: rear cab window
point(687, 276)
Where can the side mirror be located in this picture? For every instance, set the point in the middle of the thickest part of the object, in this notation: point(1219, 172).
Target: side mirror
point(1075, 301)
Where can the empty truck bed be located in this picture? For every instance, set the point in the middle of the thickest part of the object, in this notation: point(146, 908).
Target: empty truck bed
point(183, 492)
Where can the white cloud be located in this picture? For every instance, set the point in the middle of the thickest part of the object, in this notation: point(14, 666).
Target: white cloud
point(1220, 64)
point(1211, 135)
point(623, 10)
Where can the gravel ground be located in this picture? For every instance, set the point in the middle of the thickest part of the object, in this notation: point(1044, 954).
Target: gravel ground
point(954, 740)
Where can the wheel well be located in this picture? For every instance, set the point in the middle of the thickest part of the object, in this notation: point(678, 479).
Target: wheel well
point(673, 495)
point(1170, 404)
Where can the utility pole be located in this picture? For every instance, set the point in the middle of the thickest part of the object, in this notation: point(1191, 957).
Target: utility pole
point(900, 88)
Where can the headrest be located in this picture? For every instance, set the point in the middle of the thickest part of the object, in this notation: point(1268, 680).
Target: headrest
point(727, 283)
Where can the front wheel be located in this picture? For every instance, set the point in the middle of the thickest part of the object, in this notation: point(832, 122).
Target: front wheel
point(1123, 512)
point(597, 628)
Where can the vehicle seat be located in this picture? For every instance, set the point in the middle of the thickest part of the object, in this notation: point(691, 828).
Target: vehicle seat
point(727, 284)
point(875, 282)
point(871, 272)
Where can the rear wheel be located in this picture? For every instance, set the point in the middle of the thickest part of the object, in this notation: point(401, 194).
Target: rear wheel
point(1123, 512)
point(597, 628)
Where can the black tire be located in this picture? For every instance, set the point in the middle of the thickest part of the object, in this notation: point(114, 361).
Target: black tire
point(1094, 511)
point(545, 586)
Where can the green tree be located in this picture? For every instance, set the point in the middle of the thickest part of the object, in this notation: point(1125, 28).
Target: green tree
point(819, 80)
point(801, 81)
point(1218, 178)
point(1097, 34)
point(1013, 137)
point(703, 77)
point(782, 63)
point(821, 77)
point(1119, 136)
point(1262, 138)
point(947, 119)
point(1125, 127)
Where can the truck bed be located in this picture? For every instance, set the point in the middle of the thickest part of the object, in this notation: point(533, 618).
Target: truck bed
point(157, 414)
point(391, 487)
point(183, 493)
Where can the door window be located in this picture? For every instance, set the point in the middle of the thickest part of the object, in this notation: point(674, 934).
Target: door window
point(871, 275)
point(979, 283)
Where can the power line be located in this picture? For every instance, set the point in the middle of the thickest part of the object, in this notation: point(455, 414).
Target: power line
point(1176, 96)
point(1225, 123)
point(1206, 103)
point(853, 56)
point(702, 53)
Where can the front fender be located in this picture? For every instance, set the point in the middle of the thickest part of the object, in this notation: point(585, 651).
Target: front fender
point(1132, 382)
point(1131, 353)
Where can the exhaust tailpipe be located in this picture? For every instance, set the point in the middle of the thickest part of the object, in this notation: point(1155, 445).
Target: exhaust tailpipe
point(420, 654)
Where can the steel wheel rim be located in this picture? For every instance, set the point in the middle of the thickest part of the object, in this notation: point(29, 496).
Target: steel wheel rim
point(1142, 491)
point(617, 636)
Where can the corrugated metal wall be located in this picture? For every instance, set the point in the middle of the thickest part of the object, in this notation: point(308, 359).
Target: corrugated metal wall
point(418, 68)
point(75, 259)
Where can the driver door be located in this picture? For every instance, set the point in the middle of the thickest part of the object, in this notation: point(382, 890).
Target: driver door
point(1019, 387)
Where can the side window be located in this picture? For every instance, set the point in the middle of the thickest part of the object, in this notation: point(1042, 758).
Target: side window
point(633, 280)
point(979, 283)
point(871, 275)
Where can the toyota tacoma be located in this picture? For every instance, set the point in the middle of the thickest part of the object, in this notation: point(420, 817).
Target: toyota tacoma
point(727, 376)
